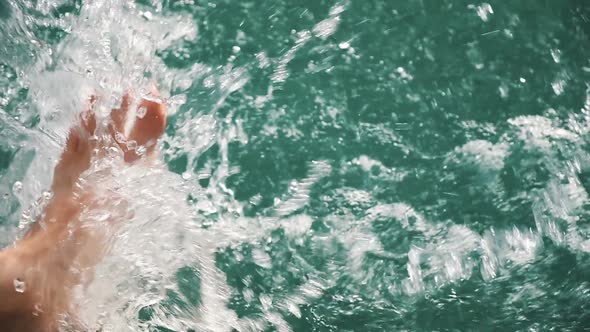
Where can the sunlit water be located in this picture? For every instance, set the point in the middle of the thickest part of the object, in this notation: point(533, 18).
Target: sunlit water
point(327, 166)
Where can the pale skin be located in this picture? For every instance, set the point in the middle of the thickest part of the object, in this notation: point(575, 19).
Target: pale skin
point(58, 253)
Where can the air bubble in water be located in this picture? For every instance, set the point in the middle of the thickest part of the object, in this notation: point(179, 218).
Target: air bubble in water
point(141, 112)
point(17, 187)
point(19, 286)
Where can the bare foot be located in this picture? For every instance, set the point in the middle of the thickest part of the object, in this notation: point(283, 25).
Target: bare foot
point(38, 273)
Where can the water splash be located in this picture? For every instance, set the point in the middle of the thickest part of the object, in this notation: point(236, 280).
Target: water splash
point(19, 286)
point(178, 229)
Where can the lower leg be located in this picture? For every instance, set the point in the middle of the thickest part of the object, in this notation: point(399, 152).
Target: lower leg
point(55, 252)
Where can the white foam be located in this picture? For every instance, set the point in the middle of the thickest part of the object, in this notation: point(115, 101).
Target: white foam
point(539, 131)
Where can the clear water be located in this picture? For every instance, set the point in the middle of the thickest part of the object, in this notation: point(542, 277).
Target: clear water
point(328, 165)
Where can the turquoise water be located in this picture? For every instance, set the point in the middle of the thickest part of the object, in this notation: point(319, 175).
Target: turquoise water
point(354, 165)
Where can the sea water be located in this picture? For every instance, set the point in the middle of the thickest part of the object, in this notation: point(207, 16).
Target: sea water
point(352, 165)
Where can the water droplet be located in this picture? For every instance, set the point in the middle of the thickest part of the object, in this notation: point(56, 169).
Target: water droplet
point(47, 195)
point(241, 37)
point(26, 215)
point(141, 112)
point(37, 310)
point(208, 82)
point(503, 89)
point(119, 138)
point(85, 116)
point(404, 74)
point(19, 286)
point(186, 175)
point(484, 11)
point(558, 87)
point(140, 150)
point(344, 45)
point(203, 175)
point(256, 199)
point(522, 80)
point(248, 295)
point(556, 55)
point(263, 60)
point(148, 15)
point(265, 301)
point(176, 100)
point(17, 187)
point(236, 49)
point(131, 145)
point(338, 8)
point(326, 28)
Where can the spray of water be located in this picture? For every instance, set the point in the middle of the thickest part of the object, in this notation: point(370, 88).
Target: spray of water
point(108, 51)
point(173, 227)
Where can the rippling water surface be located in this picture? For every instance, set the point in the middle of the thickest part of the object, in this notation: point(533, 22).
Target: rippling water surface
point(328, 165)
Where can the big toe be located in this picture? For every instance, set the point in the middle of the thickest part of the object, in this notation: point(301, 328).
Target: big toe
point(150, 123)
